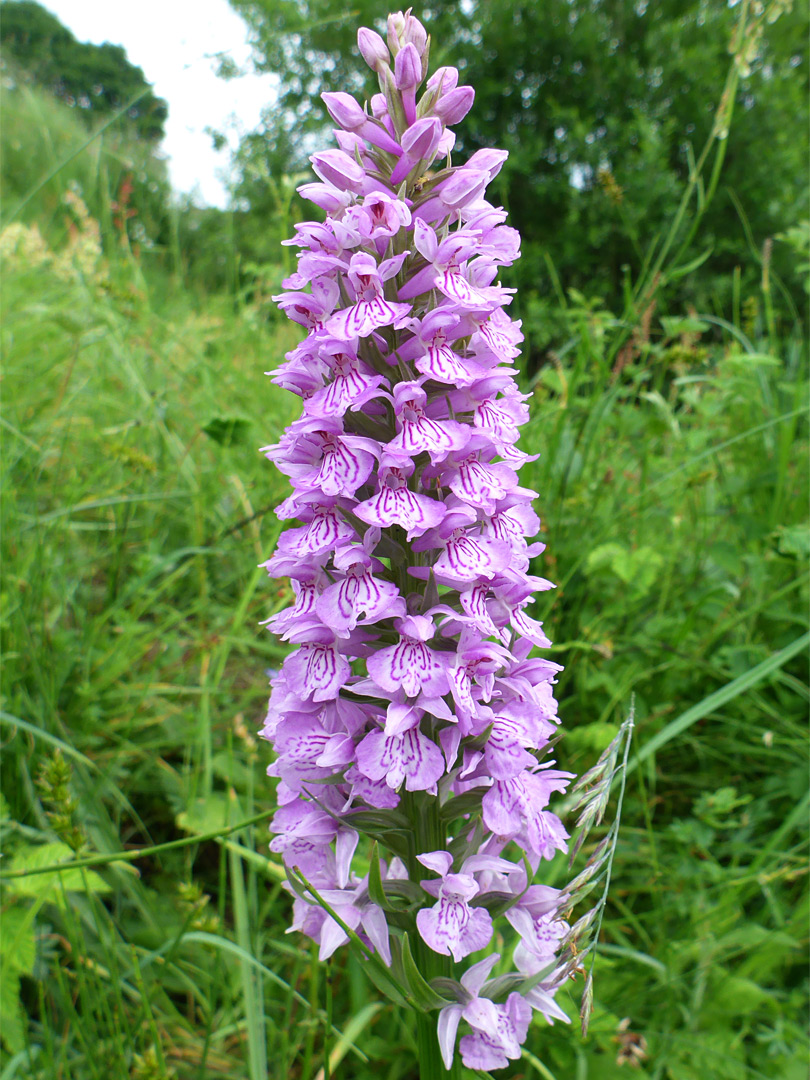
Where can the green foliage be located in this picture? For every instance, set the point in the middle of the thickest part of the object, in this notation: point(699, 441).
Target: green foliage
point(95, 80)
point(17, 953)
point(47, 152)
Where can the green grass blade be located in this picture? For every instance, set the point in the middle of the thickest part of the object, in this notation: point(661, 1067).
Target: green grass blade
point(718, 698)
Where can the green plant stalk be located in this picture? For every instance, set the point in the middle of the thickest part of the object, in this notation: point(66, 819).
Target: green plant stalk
point(132, 856)
point(251, 987)
point(427, 834)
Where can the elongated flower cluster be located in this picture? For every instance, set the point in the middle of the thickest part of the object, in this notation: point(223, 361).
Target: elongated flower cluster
point(411, 710)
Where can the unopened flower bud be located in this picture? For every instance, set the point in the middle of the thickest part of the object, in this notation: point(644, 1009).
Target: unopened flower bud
point(379, 106)
point(407, 68)
point(444, 79)
point(336, 167)
point(324, 195)
point(405, 29)
point(344, 110)
point(372, 48)
point(488, 160)
point(415, 33)
point(452, 107)
point(464, 186)
point(396, 27)
point(421, 139)
point(419, 143)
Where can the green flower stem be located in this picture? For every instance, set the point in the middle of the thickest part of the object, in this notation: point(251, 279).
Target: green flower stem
point(133, 856)
point(427, 834)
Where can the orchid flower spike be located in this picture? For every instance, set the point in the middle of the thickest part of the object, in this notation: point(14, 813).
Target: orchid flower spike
point(411, 723)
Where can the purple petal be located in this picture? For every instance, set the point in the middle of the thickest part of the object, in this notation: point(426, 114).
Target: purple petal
point(375, 925)
point(447, 1028)
point(530, 628)
point(442, 364)
point(501, 809)
point(411, 758)
point(410, 665)
point(542, 1001)
point(483, 1014)
point(332, 937)
point(342, 471)
point(458, 288)
point(452, 927)
point(365, 317)
point(438, 438)
point(479, 1052)
point(467, 558)
point(401, 506)
point(320, 670)
point(482, 485)
point(345, 847)
point(474, 977)
point(505, 755)
point(440, 861)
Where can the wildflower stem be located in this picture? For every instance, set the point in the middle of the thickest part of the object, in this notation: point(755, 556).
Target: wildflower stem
point(431, 1066)
point(133, 856)
point(428, 835)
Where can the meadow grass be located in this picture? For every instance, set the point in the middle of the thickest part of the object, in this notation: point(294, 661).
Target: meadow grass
point(136, 509)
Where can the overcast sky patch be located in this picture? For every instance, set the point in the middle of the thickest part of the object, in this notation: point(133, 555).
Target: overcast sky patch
point(176, 43)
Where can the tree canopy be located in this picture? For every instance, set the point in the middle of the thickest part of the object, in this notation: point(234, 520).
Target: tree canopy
point(96, 80)
point(603, 105)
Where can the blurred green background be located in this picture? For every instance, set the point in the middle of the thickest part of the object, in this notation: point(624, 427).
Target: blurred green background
point(658, 175)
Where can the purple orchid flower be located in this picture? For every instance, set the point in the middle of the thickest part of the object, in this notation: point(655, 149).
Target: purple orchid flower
point(497, 1030)
point(372, 310)
point(452, 926)
point(412, 705)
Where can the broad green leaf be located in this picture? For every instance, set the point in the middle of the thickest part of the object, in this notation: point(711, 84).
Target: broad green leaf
point(17, 944)
point(11, 1014)
point(217, 811)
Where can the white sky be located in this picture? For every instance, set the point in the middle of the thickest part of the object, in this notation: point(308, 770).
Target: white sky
point(175, 42)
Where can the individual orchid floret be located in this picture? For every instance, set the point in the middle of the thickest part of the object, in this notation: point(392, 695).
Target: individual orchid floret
point(405, 756)
point(497, 1030)
point(452, 926)
point(360, 596)
point(410, 665)
point(396, 504)
point(418, 432)
point(537, 920)
point(372, 310)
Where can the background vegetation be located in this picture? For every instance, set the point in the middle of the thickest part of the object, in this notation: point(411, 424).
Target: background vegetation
point(667, 363)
